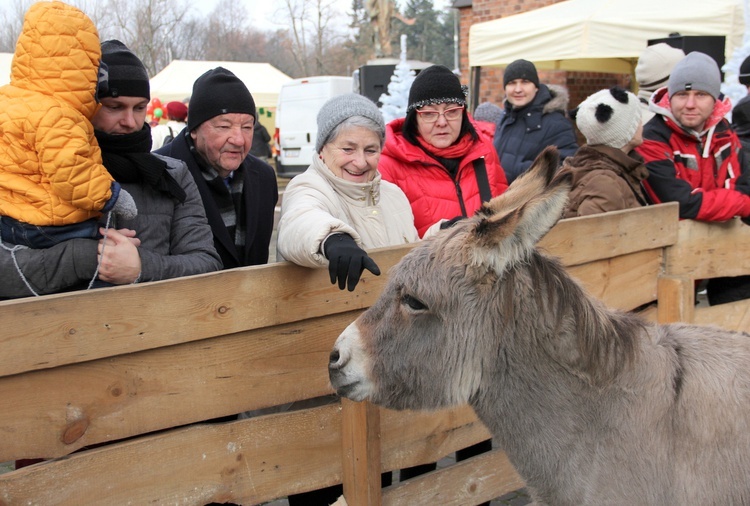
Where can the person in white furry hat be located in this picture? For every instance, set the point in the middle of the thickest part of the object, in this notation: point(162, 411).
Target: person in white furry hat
point(606, 172)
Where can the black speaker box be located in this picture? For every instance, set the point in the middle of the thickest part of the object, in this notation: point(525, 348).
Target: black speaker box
point(374, 80)
point(712, 45)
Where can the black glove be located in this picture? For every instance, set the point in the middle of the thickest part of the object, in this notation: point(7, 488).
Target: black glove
point(346, 260)
point(746, 220)
point(451, 222)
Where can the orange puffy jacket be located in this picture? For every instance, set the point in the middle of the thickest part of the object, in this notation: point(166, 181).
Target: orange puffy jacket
point(51, 170)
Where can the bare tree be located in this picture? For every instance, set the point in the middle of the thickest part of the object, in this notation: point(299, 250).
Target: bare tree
point(146, 27)
point(11, 19)
point(313, 33)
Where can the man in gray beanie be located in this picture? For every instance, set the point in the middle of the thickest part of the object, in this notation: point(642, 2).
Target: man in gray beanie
point(239, 190)
point(691, 152)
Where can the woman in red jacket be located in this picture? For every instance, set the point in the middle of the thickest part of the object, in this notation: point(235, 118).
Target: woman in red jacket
point(438, 155)
point(446, 165)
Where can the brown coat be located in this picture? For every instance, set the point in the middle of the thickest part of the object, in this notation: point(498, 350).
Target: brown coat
point(604, 179)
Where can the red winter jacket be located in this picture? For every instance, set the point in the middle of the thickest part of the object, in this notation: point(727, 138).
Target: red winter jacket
point(701, 171)
point(432, 192)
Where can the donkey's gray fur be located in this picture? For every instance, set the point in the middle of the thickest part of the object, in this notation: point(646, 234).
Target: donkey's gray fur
point(592, 406)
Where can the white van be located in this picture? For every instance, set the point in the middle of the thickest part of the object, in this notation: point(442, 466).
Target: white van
point(296, 119)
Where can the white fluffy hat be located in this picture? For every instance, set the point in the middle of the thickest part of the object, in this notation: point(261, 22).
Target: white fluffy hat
point(609, 117)
point(655, 64)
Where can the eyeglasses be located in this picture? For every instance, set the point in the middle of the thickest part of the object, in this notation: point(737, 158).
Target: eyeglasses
point(451, 114)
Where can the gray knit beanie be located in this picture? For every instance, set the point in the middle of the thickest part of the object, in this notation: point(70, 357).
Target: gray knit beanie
point(609, 117)
point(697, 71)
point(338, 109)
point(489, 112)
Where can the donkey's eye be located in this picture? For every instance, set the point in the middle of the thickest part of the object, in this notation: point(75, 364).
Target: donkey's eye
point(413, 303)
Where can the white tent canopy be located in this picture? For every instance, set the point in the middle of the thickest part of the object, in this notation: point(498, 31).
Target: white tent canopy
point(600, 35)
point(5, 61)
point(175, 82)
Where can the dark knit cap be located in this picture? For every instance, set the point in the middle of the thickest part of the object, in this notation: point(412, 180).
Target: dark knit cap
point(744, 76)
point(436, 85)
point(520, 69)
point(218, 91)
point(127, 76)
point(741, 116)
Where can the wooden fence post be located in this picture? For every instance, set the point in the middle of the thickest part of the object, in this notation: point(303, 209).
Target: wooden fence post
point(360, 441)
point(676, 299)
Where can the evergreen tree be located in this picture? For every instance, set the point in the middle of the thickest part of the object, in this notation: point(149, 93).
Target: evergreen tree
point(431, 36)
point(396, 99)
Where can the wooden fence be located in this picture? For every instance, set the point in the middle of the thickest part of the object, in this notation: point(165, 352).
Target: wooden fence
point(112, 385)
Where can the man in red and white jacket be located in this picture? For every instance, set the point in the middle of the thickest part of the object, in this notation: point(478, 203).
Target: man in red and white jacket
point(691, 152)
point(695, 158)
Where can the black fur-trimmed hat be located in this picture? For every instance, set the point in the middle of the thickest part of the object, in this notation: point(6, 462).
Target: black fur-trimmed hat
point(609, 117)
point(218, 91)
point(436, 85)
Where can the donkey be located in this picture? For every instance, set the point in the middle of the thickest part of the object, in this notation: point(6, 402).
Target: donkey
point(592, 406)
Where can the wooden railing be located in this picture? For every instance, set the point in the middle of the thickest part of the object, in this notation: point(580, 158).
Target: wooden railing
point(119, 388)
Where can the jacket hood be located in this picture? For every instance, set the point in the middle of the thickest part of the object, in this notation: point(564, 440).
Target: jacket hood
point(58, 54)
point(559, 99)
point(659, 104)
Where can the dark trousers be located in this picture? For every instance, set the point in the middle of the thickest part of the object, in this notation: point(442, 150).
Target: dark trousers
point(17, 232)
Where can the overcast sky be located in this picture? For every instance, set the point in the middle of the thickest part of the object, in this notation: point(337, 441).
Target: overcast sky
point(261, 12)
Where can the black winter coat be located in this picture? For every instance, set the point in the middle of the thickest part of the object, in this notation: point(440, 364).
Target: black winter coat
point(522, 134)
point(260, 193)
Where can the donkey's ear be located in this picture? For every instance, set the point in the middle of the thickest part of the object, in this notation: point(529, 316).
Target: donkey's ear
point(510, 225)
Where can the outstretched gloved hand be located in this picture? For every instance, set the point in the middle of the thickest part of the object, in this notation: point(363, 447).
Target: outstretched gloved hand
point(347, 261)
point(125, 206)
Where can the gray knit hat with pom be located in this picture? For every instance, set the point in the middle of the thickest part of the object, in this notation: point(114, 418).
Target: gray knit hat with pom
point(338, 109)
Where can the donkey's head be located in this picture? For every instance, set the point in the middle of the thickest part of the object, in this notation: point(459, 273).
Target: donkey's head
point(426, 341)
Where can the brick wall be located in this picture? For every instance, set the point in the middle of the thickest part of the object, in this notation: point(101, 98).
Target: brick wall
point(579, 84)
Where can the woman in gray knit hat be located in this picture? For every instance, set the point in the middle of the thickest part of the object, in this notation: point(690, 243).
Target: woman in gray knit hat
point(340, 206)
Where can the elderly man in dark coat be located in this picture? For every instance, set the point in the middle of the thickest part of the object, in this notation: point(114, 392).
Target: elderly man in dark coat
point(239, 191)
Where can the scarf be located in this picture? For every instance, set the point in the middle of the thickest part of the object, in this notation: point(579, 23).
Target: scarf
point(451, 156)
point(128, 159)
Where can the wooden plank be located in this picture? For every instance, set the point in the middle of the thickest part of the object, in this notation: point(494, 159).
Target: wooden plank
point(732, 316)
point(410, 438)
point(57, 411)
point(249, 461)
point(75, 327)
point(624, 282)
point(581, 240)
point(360, 435)
point(709, 249)
point(473, 481)
point(676, 299)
